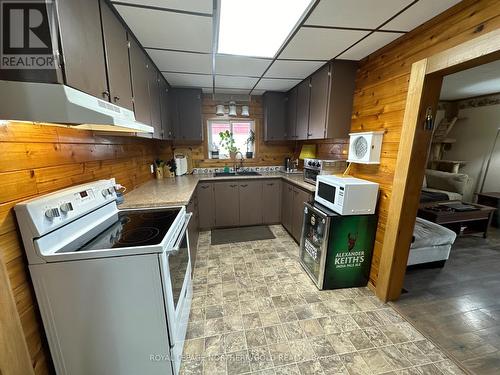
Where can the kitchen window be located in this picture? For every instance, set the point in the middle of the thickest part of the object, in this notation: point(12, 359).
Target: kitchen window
point(242, 130)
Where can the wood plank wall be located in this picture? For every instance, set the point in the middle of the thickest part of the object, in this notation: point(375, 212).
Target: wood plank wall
point(382, 85)
point(37, 159)
point(267, 153)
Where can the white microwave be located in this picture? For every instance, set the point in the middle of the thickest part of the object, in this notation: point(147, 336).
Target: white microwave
point(346, 195)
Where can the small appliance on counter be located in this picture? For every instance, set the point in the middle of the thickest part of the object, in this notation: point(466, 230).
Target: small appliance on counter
point(181, 163)
point(335, 250)
point(290, 165)
point(316, 167)
point(346, 195)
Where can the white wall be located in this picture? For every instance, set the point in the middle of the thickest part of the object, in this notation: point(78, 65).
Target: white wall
point(475, 134)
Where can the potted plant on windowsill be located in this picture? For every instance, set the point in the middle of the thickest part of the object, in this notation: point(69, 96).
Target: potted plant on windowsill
point(250, 142)
point(227, 141)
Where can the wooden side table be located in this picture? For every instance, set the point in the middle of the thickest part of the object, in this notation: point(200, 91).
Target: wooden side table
point(491, 200)
point(476, 221)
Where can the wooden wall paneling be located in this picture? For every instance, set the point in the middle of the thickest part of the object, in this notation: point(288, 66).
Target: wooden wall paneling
point(383, 81)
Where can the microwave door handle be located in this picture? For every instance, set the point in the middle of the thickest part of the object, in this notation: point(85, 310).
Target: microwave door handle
point(175, 249)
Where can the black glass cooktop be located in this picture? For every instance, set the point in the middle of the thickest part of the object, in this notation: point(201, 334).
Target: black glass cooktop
point(133, 228)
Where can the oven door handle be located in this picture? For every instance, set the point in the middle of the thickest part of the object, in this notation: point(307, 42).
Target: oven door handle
point(175, 249)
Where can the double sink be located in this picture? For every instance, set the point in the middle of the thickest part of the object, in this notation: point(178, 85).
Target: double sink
point(243, 173)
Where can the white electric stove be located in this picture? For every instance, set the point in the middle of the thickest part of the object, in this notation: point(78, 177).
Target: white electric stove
point(113, 286)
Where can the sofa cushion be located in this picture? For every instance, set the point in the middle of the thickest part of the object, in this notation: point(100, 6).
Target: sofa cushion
point(446, 181)
point(452, 196)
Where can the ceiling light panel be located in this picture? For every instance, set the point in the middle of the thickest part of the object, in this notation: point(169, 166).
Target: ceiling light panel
point(198, 6)
point(320, 44)
point(188, 80)
point(173, 61)
point(418, 14)
point(258, 27)
point(355, 13)
point(240, 65)
point(368, 45)
point(276, 84)
point(160, 29)
point(293, 69)
point(235, 82)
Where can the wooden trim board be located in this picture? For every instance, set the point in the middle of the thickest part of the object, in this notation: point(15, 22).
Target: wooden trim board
point(423, 92)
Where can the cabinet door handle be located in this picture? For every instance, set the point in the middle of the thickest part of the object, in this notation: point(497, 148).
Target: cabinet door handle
point(271, 184)
point(105, 94)
point(233, 186)
point(116, 98)
point(309, 134)
point(244, 185)
point(204, 186)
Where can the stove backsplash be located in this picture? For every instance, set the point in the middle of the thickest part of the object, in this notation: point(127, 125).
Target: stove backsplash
point(274, 168)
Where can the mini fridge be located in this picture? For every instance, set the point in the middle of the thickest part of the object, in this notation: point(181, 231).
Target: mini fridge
point(336, 251)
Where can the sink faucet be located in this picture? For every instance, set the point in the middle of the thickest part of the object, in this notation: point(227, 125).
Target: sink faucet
point(236, 162)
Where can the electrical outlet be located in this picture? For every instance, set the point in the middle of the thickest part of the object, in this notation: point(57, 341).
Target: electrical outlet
point(152, 168)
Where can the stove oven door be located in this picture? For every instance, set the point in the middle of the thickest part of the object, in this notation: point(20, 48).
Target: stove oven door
point(176, 273)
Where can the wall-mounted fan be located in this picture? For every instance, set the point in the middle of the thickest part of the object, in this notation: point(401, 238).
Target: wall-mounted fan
point(365, 148)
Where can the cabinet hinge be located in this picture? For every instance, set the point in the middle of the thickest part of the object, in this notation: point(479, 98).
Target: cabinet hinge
point(310, 85)
point(128, 44)
point(329, 74)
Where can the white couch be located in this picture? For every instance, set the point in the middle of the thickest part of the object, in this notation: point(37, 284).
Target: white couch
point(431, 243)
point(457, 186)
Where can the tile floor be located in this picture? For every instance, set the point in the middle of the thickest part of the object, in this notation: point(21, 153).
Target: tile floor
point(255, 311)
point(457, 306)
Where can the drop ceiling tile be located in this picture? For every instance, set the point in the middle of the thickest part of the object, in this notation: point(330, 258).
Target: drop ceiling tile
point(188, 80)
point(293, 69)
point(277, 84)
point(240, 65)
point(320, 44)
point(418, 14)
point(161, 29)
point(235, 82)
point(199, 6)
point(258, 92)
point(372, 43)
point(219, 90)
point(181, 61)
point(207, 90)
point(355, 13)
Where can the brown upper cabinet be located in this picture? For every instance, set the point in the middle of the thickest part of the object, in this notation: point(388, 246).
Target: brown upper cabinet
point(154, 99)
point(318, 103)
point(82, 46)
point(320, 107)
point(291, 114)
point(274, 115)
point(188, 119)
point(117, 59)
point(166, 110)
point(140, 82)
point(302, 121)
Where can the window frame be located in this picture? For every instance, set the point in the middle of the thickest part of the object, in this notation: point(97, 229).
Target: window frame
point(229, 121)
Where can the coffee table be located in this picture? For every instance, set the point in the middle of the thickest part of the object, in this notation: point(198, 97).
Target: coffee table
point(493, 200)
point(461, 222)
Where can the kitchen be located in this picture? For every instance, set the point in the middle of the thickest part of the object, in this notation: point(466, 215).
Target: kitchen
point(53, 138)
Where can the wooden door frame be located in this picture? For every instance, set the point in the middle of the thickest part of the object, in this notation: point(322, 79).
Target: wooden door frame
point(423, 95)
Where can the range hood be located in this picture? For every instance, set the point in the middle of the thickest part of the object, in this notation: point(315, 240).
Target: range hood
point(56, 103)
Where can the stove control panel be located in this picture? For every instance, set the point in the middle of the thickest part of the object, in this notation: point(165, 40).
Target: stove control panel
point(48, 212)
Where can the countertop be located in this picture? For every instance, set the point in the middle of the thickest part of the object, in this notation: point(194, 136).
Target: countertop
point(179, 190)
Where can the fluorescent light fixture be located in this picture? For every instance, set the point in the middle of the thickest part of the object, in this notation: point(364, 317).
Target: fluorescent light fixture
point(258, 27)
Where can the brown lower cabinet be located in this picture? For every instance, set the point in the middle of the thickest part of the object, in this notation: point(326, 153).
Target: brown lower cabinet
point(227, 202)
point(252, 202)
point(299, 197)
point(271, 201)
point(206, 205)
point(193, 231)
point(286, 206)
